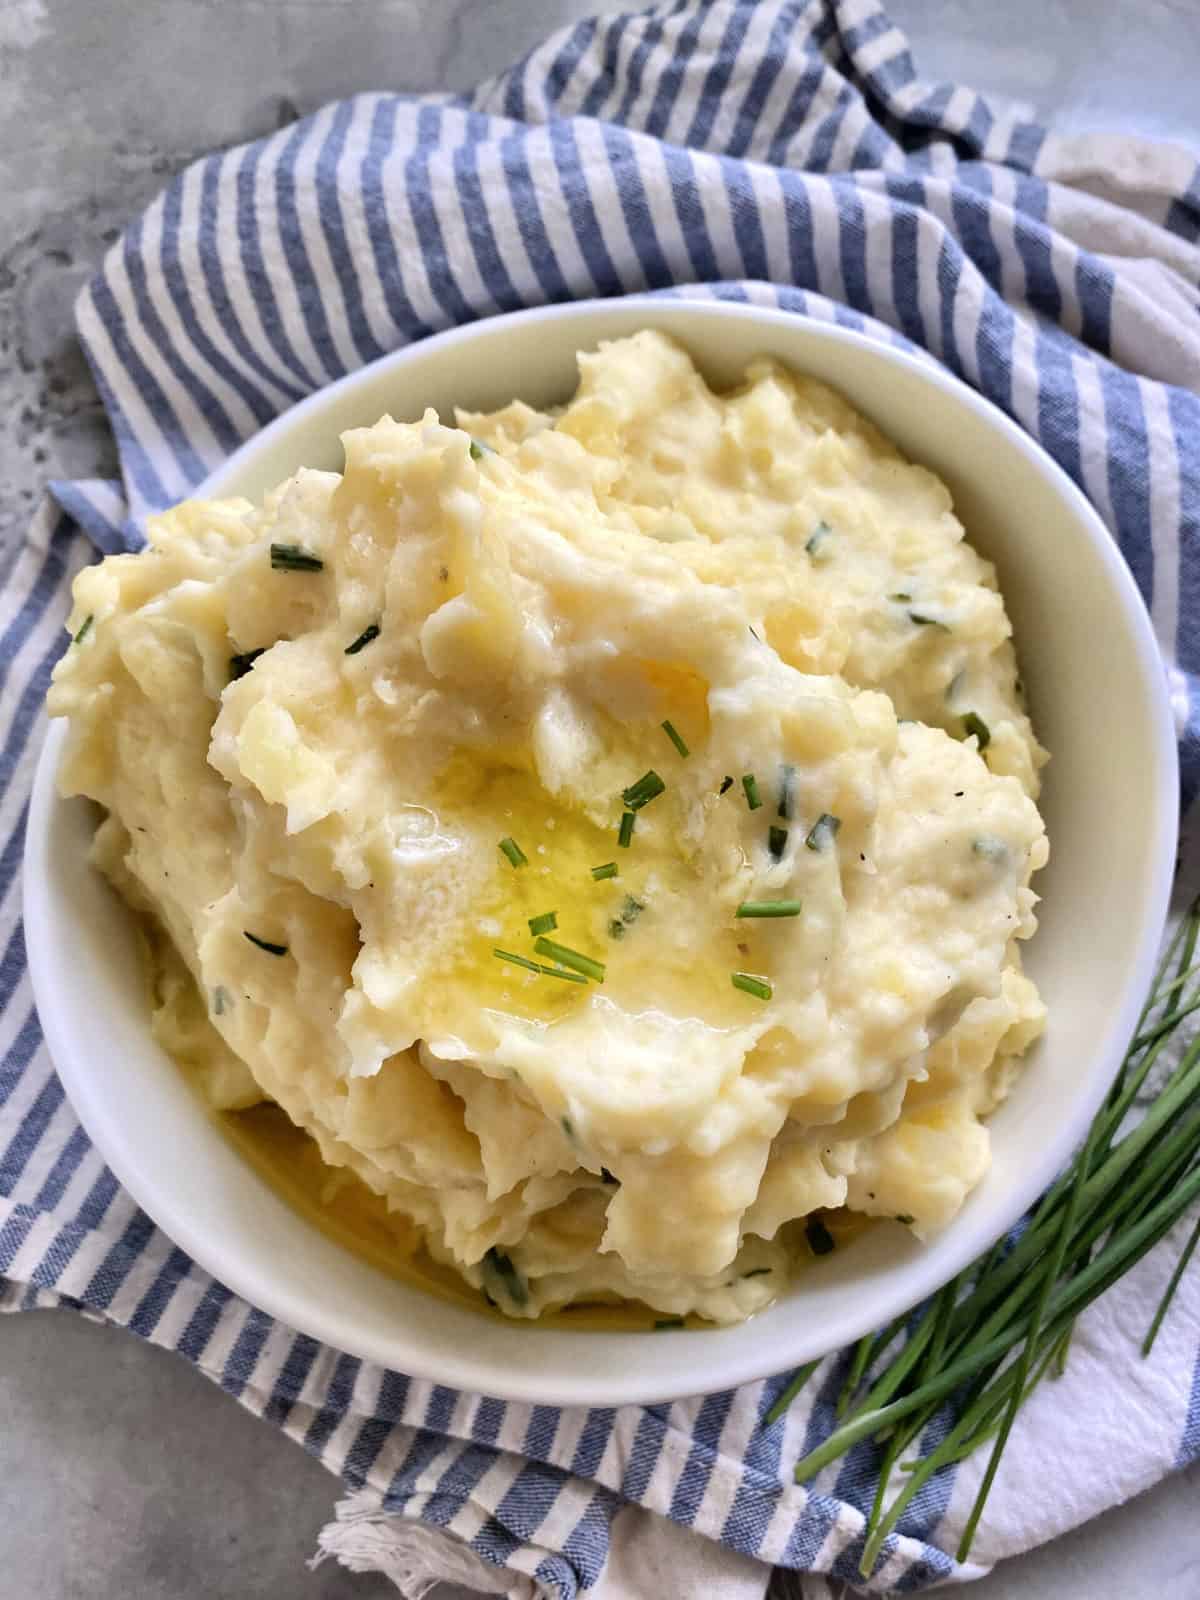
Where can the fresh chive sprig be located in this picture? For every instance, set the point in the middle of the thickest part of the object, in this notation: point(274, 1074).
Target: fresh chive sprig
point(991, 1335)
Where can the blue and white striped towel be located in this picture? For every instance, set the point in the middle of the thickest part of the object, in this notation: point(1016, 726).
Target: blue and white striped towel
point(782, 152)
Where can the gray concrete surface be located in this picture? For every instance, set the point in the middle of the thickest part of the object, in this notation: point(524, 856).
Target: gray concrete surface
point(122, 1472)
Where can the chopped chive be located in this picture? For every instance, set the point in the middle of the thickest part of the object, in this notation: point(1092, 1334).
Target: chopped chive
point(84, 628)
point(506, 1275)
point(676, 739)
point(648, 787)
point(924, 620)
point(787, 792)
point(557, 972)
point(479, 450)
point(565, 1124)
point(219, 999)
point(818, 542)
point(823, 831)
point(363, 640)
point(625, 832)
point(265, 944)
point(631, 910)
point(546, 923)
point(749, 984)
point(777, 839)
point(513, 851)
point(567, 957)
point(517, 961)
point(907, 1218)
point(240, 665)
point(820, 1240)
point(726, 785)
point(900, 597)
point(750, 785)
point(616, 929)
point(756, 1272)
point(668, 1322)
point(608, 870)
point(974, 724)
point(291, 558)
point(769, 908)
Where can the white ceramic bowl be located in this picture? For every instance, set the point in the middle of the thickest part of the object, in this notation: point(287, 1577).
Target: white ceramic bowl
point(1099, 703)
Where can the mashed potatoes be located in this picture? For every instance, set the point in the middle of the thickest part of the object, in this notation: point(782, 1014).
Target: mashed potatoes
point(371, 754)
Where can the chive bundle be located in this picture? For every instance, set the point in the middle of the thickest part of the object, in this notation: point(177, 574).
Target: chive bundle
point(1119, 1196)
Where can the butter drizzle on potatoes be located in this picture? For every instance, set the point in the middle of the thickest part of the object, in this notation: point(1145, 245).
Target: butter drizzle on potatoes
point(370, 753)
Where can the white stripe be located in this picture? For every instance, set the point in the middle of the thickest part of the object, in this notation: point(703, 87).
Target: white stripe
point(547, 180)
point(487, 1494)
point(304, 175)
point(82, 1181)
point(506, 229)
point(843, 1530)
point(718, 217)
point(854, 123)
point(750, 52)
point(188, 246)
point(721, 1489)
point(878, 223)
point(243, 302)
point(394, 189)
point(826, 239)
point(1164, 514)
point(1002, 217)
point(193, 424)
point(166, 306)
point(770, 114)
point(958, 110)
point(802, 141)
point(695, 70)
point(667, 226)
point(792, 1504)
point(142, 422)
point(610, 217)
point(1064, 259)
point(361, 1404)
point(772, 216)
point(275, 262)
point(879, 51)
point(355, 224)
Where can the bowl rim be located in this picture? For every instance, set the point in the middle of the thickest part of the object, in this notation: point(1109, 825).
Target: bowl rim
point(483, 1372)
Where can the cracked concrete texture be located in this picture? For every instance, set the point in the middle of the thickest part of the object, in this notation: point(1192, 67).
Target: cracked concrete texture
point(100, 103)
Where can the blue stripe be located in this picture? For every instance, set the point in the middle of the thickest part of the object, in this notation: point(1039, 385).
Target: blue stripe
point(540, 1431)
point(459, 1482)
point(586, 1546)
point(29, 1133)
point(906, 224)
point(380, 141)
point(247, 1347)
point(643, 1455)
point(717, 78)
point(158, 1296)
point(796, 111)
point(1189, 1443)
point(820, 154)
point(373, 1434)
point(210, 251)
point(529, 1499)
point(671, 77)
point(338, 1396)
point(602, 84)
point(422, 1449)
point(202, 1324)
point(133, 253)
point(12, 1069)
point(593, 1441)
point(562, 68)
point(949, 273)
point(30, 708)
point(690, 212)
point(852, 247)
point(66, 1164)
point(333, 226)
point(419, 188)
point(293, 1375)
point(44, 592)
point(137, 470)
point(582, 213)
point(13, 1235)
point(747, 224)
point(635, 207)
point(698, 1468)
point(472, 199)
point(295, 250)
point(108, 1278)
point(527, 210)
point(440, 1407)
point(489, 1417)
point(254, 267)
point(770, 65)
point(652, 25)
point(179, 285)
point(1129, 473)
